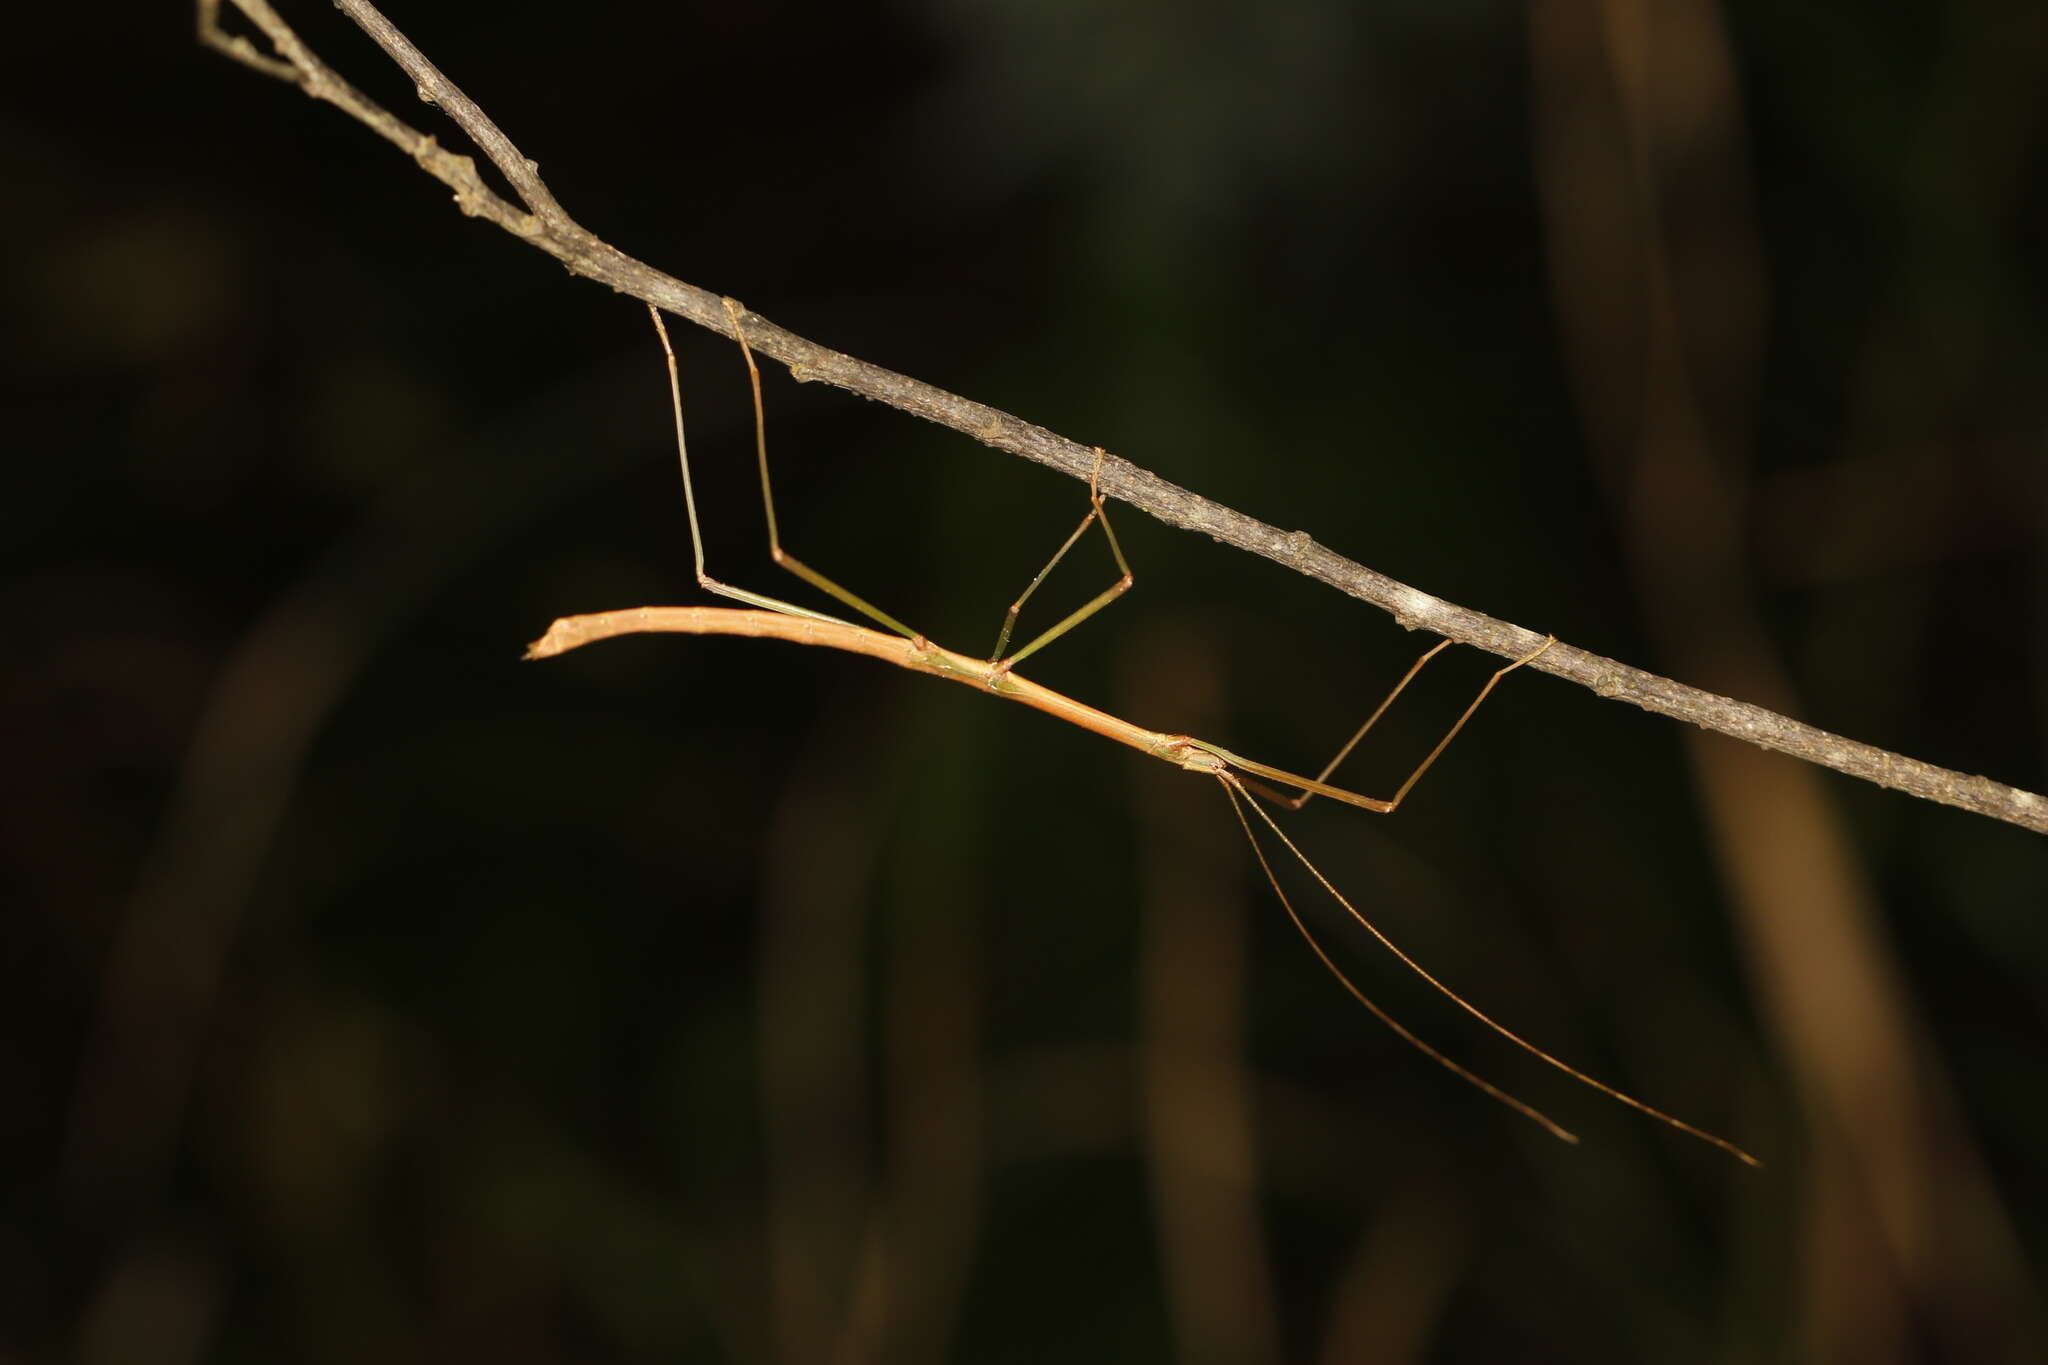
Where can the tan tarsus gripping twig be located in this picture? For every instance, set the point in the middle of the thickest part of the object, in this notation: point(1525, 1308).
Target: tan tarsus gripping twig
point(544, 224)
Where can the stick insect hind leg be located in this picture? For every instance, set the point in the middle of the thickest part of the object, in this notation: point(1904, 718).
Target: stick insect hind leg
point(775, 550)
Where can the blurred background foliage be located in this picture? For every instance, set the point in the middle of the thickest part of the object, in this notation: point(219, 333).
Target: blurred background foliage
point(371, 995)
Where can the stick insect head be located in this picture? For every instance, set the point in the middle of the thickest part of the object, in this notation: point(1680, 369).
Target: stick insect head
point(1187, 752)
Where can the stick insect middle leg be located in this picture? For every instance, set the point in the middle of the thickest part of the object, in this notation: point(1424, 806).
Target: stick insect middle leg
point(1097, 515)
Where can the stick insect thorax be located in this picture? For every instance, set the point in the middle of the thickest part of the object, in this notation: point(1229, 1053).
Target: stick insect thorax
point(1239, 777)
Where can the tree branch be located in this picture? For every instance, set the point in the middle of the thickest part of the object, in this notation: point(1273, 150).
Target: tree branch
point(543, 223)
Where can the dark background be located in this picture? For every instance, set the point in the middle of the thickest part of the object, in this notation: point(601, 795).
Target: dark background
point(370, 994)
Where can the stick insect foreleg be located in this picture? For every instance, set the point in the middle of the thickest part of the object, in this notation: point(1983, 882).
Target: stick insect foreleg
point(1301, 797)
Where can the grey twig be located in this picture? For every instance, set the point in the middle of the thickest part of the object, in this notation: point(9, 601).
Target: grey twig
point(543, 223)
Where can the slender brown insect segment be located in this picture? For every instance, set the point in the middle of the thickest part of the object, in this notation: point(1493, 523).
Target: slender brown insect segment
point(1240, 777)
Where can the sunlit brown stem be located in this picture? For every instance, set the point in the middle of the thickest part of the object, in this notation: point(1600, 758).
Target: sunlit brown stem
point(1235, 789)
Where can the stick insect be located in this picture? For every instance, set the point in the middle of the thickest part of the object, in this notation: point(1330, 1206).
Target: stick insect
point(1243, 781)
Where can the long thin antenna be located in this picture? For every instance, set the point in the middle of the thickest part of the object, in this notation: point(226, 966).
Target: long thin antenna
point(1235, 788)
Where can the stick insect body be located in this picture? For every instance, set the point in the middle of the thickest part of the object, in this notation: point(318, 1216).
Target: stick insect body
point(1239, 777)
